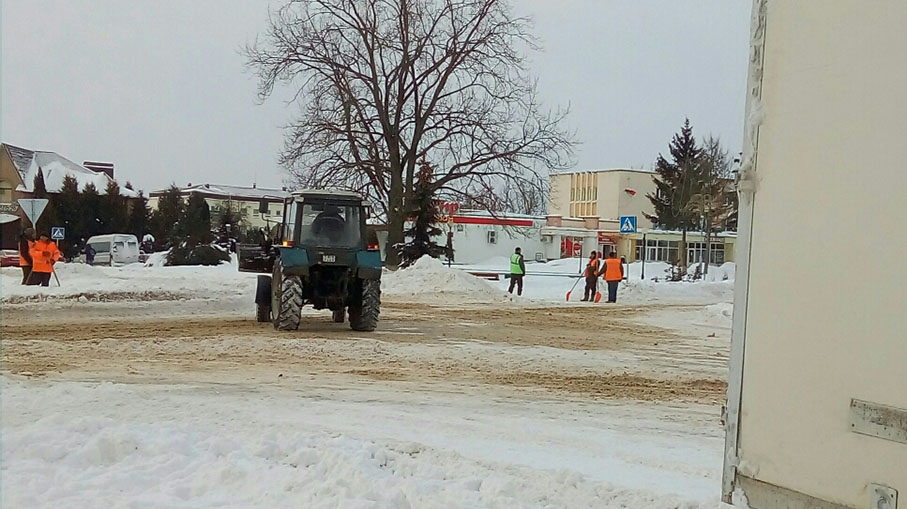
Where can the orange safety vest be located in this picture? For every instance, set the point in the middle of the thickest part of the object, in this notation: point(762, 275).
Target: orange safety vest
point(592, 268)
point(43, 255)
point(613, 269)
point(22, 261)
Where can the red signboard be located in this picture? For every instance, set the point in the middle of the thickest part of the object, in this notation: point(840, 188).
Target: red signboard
point(607, 238)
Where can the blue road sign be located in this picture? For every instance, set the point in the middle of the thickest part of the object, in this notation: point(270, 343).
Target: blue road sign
point(627, 224)
point(57, 232)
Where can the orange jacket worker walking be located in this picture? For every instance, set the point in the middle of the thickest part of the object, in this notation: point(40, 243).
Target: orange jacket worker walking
point(613, 274)
point(44, 254)
point(26, 241)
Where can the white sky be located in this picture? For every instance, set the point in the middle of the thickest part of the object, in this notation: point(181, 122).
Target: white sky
point(160, 89)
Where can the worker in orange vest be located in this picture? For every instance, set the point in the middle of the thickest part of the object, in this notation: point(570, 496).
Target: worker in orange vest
point(44, 254)
point(591, 277)
point(26, 241)
point(613, 272)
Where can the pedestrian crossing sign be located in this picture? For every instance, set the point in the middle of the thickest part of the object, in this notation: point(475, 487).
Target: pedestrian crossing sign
point(627, 224)
point(57, 233)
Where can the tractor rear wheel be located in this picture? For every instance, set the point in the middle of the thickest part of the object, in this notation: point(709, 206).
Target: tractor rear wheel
point(286, 301)
point(364, 314)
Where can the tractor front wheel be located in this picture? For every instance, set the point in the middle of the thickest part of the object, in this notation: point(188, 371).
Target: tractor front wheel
point(286, 300)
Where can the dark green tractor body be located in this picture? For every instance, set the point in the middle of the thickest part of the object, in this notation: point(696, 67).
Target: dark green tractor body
point(320, 255)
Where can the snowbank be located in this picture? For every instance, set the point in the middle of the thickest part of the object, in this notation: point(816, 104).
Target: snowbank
point(88, 283)
point(429, 280)
point(71, 444)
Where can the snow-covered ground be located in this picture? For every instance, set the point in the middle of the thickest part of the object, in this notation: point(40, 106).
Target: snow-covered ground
point(153, 387)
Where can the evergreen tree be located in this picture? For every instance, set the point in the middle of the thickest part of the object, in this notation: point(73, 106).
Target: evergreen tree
point(423, 219)
point(139, 217)
point(229, 214)
point(165, 221)
point(196, 224)
point(91, 205)
point(677, 182)
point(48, 217)
point(68, 207)
point(114, 209)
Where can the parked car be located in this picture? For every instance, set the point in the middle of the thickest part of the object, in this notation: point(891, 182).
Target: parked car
point(113, 249)
point(9, 258)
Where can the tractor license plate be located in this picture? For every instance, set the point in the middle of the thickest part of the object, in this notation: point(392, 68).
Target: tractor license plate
point(328, 258)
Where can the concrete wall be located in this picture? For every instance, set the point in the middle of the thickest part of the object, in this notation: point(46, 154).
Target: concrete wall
point(471, 243)
point(635, 204)
point(825, 321)
point(559, 196)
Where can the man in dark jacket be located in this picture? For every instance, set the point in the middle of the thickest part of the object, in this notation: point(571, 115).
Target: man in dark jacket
point(591, 278)
point(26, 241)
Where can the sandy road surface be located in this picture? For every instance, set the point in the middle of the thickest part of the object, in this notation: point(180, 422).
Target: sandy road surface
point(580, 351)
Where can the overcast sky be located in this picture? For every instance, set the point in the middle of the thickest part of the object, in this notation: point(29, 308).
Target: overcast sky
point(159, 88)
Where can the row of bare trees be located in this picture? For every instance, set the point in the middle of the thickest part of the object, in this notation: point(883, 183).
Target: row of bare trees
point(385, 85)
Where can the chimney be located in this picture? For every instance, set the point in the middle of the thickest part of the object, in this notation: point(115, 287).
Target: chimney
point(253, 185)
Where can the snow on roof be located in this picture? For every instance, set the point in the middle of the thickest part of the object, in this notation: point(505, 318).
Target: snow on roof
point(232, 192)
point(21, 157)
point(56, 168)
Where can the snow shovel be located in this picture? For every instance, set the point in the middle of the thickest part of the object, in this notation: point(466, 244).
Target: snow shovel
point(571, 289)
point(598, 297)
point(55, 276)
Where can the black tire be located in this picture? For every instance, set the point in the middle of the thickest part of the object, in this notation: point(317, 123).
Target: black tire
point(339, 316)
point(263, 299)
point(262, 313)
point(286, 301)
point(364, 316)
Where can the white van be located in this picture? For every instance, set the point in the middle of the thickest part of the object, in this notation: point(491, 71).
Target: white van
point(114, 249)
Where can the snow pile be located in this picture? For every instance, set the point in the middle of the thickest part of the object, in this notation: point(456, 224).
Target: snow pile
point(87, 283)
point(157, 259)
point(430, 280)
point(724, 272)
point(720, 314)
point(70, 444)
point(637, 291)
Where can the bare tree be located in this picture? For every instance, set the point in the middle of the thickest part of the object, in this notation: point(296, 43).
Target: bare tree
point(386, 84)
point(714, 200)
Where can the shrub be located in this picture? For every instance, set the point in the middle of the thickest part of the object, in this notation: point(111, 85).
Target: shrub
point(198, 255)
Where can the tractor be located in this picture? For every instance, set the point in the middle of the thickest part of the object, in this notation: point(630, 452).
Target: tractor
point(320, 254)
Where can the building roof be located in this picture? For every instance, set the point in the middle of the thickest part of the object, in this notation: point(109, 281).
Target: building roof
point(601, 170)
point(233, 192)
point(21, 157)
point(55, 168)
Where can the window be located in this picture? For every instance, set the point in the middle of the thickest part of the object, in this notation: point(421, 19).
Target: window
point(100, 247)
point(330, 225)
point(662, 250)
point(696, 252)
point(583, 194)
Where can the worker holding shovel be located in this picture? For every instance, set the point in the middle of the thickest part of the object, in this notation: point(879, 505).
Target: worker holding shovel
point(44, 254)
